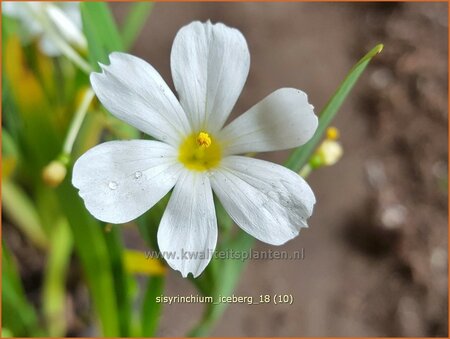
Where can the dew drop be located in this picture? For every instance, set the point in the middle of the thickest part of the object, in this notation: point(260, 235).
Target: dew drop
point(112, 185)
point(163, 137)
point(209, 173)
point(137, 175)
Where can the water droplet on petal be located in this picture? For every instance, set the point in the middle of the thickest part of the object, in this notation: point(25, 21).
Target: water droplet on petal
point(209, 173)
point(137, 174)
point(112, 185)
point(164, 137)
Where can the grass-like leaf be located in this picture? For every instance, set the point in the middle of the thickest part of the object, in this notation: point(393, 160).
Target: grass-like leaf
point(20, 318)
point(21, 210)
point(121, 280)
point(134, 22)
point(151, 310)
point(300, 156)
point(54, 289)
point(224, 280)
point(91, 248)
point(101, 32)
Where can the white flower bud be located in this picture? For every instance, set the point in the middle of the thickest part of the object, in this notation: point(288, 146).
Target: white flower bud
point(330, 151)
point(54, 173)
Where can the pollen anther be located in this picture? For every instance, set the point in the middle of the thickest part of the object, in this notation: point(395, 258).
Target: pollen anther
point(200, 151)
point(204, 140)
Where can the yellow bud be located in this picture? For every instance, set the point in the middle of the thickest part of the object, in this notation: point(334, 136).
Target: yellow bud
point(54, 173)
point(330, 151)
point(332, 133)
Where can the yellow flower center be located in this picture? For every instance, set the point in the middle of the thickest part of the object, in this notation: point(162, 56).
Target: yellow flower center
point(200, 152)
point(204, 140)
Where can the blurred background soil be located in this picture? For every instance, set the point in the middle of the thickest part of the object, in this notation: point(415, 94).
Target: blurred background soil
point(376, 258)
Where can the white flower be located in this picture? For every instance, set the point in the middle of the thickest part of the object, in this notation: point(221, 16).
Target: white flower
point(195, 154)
point(63, 17)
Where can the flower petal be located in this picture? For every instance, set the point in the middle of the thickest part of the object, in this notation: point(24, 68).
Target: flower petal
point(133, 91)
point(187, 235)
point(283, 119)
point(72, 10)
point(25, 12)
point(48, 47)
point(12, 9)
point(210, 64)
point(120, 180)
point(268, 201)
point(65, 23)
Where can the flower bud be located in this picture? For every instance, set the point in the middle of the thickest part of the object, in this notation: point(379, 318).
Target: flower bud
point(54, 173)
point(330, 151)
point(332, 133)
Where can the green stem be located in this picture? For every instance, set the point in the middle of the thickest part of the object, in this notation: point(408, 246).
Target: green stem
point(69, 52)
point(77, 121)
point(203, 328)
point(305, 171)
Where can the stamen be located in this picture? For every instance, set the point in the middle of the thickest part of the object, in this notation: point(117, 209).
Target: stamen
point(203, 140)
point(200, 151)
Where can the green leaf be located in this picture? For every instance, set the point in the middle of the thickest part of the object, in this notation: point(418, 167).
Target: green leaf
point(224, 283)
point(21, 210)
point(121, 280)
point(9, 269)
point(9, 147)
point(151, 310)
point(134, 21)
point(10, 154)
point(54, 289)
point(91, 248)
point(101, 32)
point(300, 156)
point(18, 315)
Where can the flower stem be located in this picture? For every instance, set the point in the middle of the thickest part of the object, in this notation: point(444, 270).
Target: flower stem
point(69, 52)
point(77, 121)
point(305, 171)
